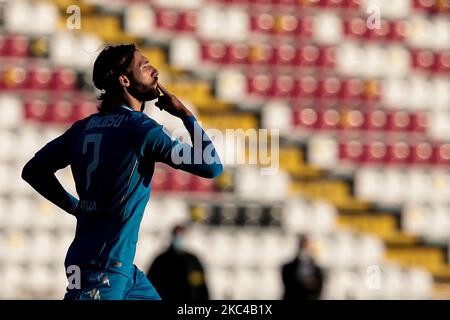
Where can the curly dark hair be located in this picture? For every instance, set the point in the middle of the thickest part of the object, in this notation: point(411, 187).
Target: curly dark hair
point(113, 61)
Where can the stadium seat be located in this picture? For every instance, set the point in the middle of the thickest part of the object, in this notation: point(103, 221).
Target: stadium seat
point(398, 60)
point(237, 53)
point(323, 151)
point(247, 248)
point(439, 224)
point(419, 284)
point(262, 22)
point(13, 78)
point(12, 275)
point(277, 115)
point(308, 56)
point(8, 151)
point(349, 59)
point(328, 28)
point(297, 216)
point(351, 151)
point(420, 32)
point(440, 27)
point(442, 62)
point(139, 20)
point(220, 283)
point(14, 46)
point(375, 120)
point(20, 213)
point(397, 31)
point(63, 79)
point(327, 57)
point(394, 284)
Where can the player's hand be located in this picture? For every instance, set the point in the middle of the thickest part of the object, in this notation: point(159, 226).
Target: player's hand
point(171, 103)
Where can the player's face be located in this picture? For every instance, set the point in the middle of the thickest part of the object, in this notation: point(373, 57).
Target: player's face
point(143, 78)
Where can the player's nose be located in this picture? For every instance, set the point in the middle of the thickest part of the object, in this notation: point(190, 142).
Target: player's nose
point(155, 73)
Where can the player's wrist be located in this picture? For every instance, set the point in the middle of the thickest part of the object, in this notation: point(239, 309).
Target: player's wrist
point(185, 113)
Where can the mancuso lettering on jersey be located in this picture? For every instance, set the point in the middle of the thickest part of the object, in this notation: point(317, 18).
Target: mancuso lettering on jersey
point(87, 206)
point(113, 120)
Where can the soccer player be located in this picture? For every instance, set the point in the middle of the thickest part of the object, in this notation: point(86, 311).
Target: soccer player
point(112, 154)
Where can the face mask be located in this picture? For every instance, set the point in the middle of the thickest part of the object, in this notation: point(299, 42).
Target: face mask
point(178, 243)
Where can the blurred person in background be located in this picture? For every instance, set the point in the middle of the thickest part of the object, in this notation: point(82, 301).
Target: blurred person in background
point(112, 155)
point(302, 277)
point(178, 274)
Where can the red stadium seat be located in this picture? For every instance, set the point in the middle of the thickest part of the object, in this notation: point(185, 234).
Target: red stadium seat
point(167, 19)
point(421, 153)
point(397, 31)
point(423, 59)
point(179, 180)
point(237, 53)
point(307, 87)
point(64, 80)
point(60, 111)
point(425, 5)
point(288, 24)
point(38, 78)
point(376, 120)
point(214, 52)
point(327, 57)
point(351, 151)
point(290, 3)
point(260, 85)
point(379, 34)
point(355, 28)
point(331, 3)
point(328, 119)
point(286, 54)
point(262, 22)
point(14, 46)
point(199, 184)
point(398, 153)
point(351, 4)
point(187, 21)
point(329, 88)
point(308, 56)
point(160, 179)
point(352, 89)
point(375, 152)
point(305, 118)
point(284, 86)
point(419, 122)
point(229, 2)
point(442, 154)
point(83, 108)
point(353, 120)
point(35, 109)
point(398, 121)
point(306, 27)
point(442, 62)
point(259, 2)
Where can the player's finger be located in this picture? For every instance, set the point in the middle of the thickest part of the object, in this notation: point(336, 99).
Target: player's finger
point(162, 89)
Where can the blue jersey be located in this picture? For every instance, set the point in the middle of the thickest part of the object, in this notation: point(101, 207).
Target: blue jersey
point(112, 156)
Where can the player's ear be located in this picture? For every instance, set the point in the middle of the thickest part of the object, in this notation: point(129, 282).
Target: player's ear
point(124, 81)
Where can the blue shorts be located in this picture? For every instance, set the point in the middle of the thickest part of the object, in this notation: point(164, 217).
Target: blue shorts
point(110, 285)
